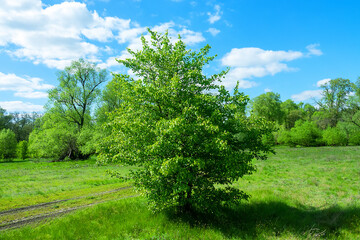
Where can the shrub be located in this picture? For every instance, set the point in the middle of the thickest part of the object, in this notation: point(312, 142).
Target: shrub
point(354, 138)
point(334, 137)
point(283, 137)
point(22, 149)
point(306, 134)
point(7, 144)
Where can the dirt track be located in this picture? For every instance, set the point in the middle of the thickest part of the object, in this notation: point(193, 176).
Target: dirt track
point(26, 220)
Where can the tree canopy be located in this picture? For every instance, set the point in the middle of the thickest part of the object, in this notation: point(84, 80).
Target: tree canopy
point(187, 133)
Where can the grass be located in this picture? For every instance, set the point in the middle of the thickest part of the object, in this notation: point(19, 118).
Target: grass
point(31, 182)
point(299, 193)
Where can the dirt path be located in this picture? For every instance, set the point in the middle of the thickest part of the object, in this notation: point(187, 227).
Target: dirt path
point(26, 220)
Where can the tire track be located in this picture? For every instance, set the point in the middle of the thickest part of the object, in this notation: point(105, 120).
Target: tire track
point(40, 205)
point(23, 221)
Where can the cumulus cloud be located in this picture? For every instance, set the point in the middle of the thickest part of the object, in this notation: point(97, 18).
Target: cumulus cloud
point(55, 35)
point(323, 82)
point(187, 36)
point(216, 16)
point(25, 87)
point(247, 63)
point(19, 106)
point(213, 31)
point(306, 95)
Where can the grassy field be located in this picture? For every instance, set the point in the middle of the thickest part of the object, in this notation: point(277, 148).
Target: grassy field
point(299, 193)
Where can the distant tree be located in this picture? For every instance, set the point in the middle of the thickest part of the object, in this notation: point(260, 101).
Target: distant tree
point(110, 100)
point(22, 124)
point(78, 89)
point(334, 137)
point(292, 112)
point(334, 98)
point(268, 105)
point(187, 134)
point(5, 119)
point(306, 134)
point(54, 138)
point(22, 149)
point(7, 144)
point(68, 112)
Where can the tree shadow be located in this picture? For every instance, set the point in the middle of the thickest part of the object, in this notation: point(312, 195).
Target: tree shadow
point(275, 219)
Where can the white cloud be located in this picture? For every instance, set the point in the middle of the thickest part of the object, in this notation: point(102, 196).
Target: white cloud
point(187, 36)
point(248, 63)
point(26, 87)
point(214, 17)
point(19, 106)
point(305, 95)
point(322, 82)
point(267, 90)
point(55, 35)
point(313, 50)
point(213, 31)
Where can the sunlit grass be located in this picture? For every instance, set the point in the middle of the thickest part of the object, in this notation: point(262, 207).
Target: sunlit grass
point(299, 193)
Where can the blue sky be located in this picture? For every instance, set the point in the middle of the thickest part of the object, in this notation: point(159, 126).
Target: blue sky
point(289, 47)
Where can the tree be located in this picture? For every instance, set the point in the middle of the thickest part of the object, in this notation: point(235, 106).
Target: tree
point(68, 113)
point(78, 89)
point(5, 120)
point(268, 105)
point(53, 137)
point(335, 95)
point(292, 113)
point(7, 144)
point(187, 134)
point(22, 149)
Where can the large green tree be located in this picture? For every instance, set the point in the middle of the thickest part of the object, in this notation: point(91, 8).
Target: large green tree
point(189, 136)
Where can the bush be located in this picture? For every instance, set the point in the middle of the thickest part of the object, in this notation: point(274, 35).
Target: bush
point(7, 144)
point(22, 149)
point(306, 134)
point(268, 139)
point(334, 137)
point(283, 137)
point(354, 138)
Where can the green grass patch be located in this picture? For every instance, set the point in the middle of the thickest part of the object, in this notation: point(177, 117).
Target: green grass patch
point(299, 193)
point(35, 181)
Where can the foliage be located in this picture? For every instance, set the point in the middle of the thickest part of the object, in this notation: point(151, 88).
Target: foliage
point(77, 90)
point(7, 144)
point(22, 149)
point(68, 115)
point(110, 100)
point(188, 134)
point(306, 134)
point(283, 136)
point(334, 137)
point(268, 105)
point(54, 138)
point(5, 119)
point(335, 95)
point(354, 138)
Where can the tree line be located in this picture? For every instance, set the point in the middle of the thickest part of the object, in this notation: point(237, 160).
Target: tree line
point(333, 121)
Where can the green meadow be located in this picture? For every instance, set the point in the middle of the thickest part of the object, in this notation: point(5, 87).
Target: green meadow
point(298, 193)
